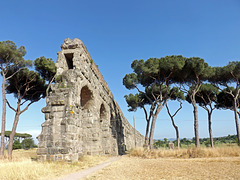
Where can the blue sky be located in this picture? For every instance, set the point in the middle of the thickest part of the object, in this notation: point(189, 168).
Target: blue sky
point(118, 32)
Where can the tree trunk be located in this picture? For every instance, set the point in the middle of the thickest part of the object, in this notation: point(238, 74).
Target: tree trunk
point(147, 132)
point(178, 140)
point(236, 119)
point(154, 119)
point(3, 118)
point(177, 132)
point(173, 123)
point(195, 112)
point(210, 128)
point(10, 144)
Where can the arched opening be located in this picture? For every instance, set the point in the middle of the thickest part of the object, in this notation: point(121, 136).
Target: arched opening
point(86, 97)
point(103, 113)
point(69, 60)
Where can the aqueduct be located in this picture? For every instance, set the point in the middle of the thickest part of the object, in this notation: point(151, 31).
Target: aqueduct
point(81, 115)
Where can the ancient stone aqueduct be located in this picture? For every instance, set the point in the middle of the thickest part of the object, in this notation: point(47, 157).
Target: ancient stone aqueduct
point(81, 114)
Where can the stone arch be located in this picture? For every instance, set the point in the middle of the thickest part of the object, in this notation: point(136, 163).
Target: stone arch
point(103, 113)
point(86, 97)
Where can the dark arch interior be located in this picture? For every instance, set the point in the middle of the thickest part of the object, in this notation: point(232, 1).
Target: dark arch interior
point(103, 113)
point(69, 60)
point(86, 97)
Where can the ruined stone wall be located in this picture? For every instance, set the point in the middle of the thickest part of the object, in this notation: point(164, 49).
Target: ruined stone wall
point(81, 114)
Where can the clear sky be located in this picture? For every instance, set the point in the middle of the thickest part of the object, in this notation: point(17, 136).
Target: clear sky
point(118, 32)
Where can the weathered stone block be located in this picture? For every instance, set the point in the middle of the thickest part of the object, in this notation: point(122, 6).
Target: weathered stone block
point(58, 108)
point(59, 157)
point(58, 102)
point(46, 109)
point(41, 151)
point(63, 151)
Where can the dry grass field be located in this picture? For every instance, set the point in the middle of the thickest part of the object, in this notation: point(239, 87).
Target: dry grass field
point(133, 168)
point(190, 163)
point(218, 163)
point(23, 168)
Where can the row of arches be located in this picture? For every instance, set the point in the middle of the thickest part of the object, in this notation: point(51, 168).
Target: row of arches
point(107, 118)
point(87, 101)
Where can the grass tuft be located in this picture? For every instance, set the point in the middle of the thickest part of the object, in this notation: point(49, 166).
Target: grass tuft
point(233, 151)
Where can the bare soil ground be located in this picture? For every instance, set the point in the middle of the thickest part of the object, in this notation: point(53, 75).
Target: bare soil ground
point(132, 168)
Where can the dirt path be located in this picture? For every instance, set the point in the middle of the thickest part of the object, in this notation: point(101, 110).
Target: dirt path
point(87, 172)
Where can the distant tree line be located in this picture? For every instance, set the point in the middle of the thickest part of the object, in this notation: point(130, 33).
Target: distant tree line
point(230, 139)
point(21, 140)
point(177, 78)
